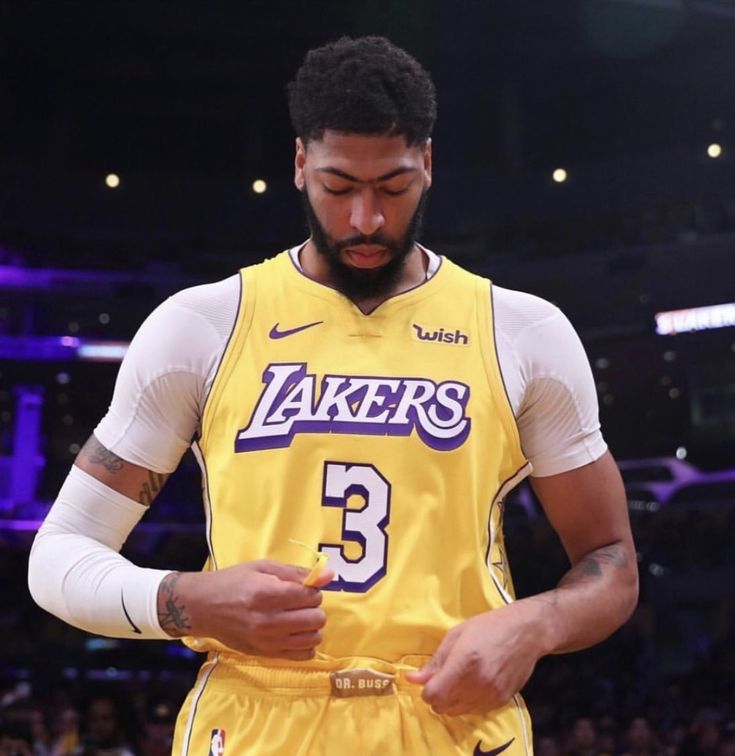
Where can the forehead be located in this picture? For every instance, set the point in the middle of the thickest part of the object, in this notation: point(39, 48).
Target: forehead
point(361, 154)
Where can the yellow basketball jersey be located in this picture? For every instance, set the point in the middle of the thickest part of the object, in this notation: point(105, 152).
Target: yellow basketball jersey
point(386, 441)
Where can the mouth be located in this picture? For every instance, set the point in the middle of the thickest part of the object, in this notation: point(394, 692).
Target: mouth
point(367, 255)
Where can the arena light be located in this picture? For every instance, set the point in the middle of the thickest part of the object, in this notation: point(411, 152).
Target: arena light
point(559, 175)
point(259, 186)
point(695, 319)
point(714, 150)
point(112, 180)
point(102, 351)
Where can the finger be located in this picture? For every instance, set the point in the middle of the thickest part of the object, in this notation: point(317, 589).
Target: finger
point(299, 621)
point(441, 692)
point(287, 572)
point(277, 644)
point(295, 655)
point(292, 596)
point(423, 675)
point(300, 641)
point(322, 579)
point(446, 709)
point(266, 627)
point(446, 685)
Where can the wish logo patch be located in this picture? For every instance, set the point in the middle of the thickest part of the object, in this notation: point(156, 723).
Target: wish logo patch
point(440, 335)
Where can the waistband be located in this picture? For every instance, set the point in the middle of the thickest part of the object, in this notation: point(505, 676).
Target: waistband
point(341, 677)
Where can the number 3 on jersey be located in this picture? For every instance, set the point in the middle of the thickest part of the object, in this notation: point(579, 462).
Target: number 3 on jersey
point(365, 526)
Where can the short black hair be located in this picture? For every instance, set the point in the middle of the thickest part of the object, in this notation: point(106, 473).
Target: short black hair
point(362, 86)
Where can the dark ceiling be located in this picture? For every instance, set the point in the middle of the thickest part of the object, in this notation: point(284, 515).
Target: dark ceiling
point(186, 101)
point(194, 87)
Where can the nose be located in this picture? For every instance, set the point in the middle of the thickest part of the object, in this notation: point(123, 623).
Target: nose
point(366, 215)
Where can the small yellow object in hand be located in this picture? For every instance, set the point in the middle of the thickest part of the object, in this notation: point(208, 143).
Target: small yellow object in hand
point(316, 570)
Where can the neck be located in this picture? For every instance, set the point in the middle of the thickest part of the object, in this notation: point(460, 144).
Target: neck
point(414, 273)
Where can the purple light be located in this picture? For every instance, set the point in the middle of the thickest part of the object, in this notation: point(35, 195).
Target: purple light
point(11, 275)
point(64, 279)
point(23, 525)
point(43, 348)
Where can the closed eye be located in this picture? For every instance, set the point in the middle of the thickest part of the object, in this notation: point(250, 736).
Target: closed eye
point(384, 189)
point(335, 191)
point(395, 192)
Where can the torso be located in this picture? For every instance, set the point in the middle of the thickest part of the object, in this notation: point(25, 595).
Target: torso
point(385, 440)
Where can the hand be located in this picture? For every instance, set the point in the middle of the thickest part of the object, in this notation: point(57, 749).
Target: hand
point(482, 662)
point(259, 607)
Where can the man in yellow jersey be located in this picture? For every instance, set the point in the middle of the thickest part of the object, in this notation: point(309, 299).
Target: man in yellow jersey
point(359, 396)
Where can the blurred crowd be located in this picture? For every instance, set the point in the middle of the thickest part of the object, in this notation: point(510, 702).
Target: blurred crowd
point(118, 721)
point(127, 721)
point(663, 685)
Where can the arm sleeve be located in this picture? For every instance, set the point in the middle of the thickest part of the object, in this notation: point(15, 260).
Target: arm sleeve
point(550, 384)
point(75, 571)
point(159, 392)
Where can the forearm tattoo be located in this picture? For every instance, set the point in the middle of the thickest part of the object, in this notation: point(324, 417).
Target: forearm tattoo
point(172, 614)
point(151, 487)
point(590, 567)
point(99, 455)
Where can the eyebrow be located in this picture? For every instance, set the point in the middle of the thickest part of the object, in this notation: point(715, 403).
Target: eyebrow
point(385, 177)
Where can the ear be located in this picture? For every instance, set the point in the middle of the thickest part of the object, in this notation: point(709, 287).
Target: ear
point(427, 164)
point(299, 161)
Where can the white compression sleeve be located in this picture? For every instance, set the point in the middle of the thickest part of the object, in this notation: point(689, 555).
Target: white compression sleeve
point(76, 572)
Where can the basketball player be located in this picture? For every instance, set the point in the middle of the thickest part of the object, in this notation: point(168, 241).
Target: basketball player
point(363, 396)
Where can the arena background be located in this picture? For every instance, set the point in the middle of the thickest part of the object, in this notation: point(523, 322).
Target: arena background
point(185, 103)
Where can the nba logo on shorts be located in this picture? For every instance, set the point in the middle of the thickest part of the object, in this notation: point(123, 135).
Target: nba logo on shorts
point(217, 744)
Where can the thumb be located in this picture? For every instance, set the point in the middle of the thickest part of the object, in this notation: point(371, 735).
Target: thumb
point(324, 577)
point(424, 674)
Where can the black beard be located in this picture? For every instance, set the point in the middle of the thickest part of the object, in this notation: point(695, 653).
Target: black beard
point(361, 283)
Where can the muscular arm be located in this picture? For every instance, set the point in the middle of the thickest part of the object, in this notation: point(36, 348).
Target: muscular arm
point(143, 486)
point(75, 570)
point(587, 508)
point(484, 661)
point(259, 607)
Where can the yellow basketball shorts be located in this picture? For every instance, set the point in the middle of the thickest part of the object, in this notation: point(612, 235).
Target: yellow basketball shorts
point(332, 707)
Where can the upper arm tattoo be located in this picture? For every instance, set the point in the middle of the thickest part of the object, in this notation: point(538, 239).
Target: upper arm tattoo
point(97, 454)
point(151, 487)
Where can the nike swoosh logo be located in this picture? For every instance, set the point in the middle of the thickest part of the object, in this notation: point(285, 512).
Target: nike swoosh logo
point(276, 334)
point(136, 629)
point(493, 751)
